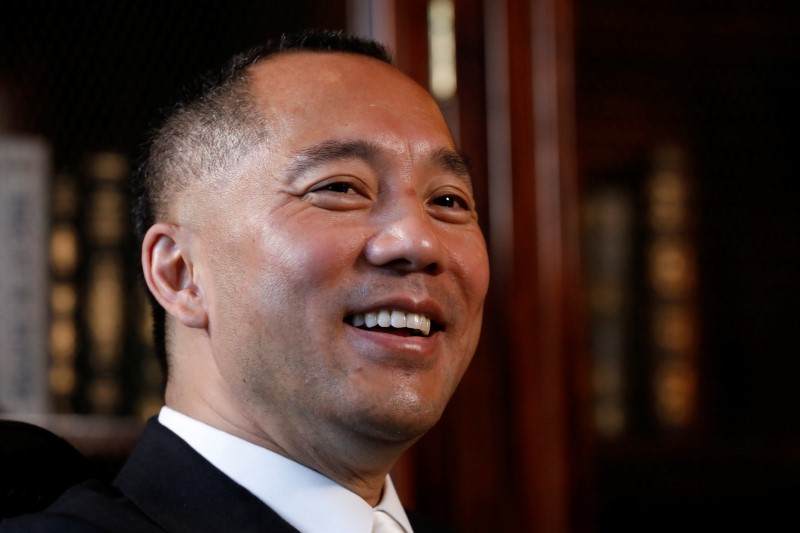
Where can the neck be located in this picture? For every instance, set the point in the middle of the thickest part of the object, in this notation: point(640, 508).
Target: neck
point(357, 463)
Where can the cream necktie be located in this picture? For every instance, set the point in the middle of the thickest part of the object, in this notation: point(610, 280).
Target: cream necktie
point(383, 523)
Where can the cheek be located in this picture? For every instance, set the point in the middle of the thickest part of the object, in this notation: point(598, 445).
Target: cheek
point(296, 261)
point(330, 259)
point(471, 265)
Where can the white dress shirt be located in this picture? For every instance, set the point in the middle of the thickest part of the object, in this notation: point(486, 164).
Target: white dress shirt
point(306, 499)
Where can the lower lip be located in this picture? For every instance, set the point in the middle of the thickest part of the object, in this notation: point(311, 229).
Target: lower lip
point(395, 345)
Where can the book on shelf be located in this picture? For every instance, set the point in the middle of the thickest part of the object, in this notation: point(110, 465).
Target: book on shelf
point(672, 287)
point(609, 235)
point(65, 253)
point(24, 182)
point(105, 233)
point(641, 276)
point(119, 373)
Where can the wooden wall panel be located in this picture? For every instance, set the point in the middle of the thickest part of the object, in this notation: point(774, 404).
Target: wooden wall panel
point(411, 50)
point(546, 322)
point(508, 451)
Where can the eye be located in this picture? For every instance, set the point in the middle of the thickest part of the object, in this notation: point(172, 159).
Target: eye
point(340, 187)
point(451, 201)
point(338, 194)
point(451, 207)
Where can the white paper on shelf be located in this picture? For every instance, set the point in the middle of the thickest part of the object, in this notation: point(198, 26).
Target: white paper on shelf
point(24, 171)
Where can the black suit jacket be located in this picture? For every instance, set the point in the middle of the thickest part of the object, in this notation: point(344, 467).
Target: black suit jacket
point(164, 486)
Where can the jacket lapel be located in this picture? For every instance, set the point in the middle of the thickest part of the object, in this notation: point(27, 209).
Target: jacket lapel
point(180, 491)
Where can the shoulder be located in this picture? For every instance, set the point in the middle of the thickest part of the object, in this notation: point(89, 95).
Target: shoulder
point(91, 506)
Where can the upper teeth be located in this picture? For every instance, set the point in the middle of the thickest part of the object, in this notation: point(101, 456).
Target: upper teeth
point(392, 318)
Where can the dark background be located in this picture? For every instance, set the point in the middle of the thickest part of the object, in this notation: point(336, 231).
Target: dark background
point(721, 79)
point(91, 75)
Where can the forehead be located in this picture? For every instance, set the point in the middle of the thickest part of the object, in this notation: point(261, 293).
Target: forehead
point(340, 95)
point(335, 75)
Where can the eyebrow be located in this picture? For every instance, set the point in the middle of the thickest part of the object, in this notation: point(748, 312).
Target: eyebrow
point(455, 163)
point(317, 155)
point(328, 151)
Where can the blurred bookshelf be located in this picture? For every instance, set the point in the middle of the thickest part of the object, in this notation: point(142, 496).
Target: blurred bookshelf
point(641, 269)
point(81, 83)
point(77, 331)
point(684, 111)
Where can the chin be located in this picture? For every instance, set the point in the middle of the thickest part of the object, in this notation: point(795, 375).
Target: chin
point(401, 422)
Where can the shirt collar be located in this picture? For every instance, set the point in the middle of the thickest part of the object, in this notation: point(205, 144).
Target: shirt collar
point(303, 497)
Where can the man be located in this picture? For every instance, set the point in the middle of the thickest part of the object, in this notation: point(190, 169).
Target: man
point(310, 237)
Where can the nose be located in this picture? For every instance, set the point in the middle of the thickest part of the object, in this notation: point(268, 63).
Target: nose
point(406, 239)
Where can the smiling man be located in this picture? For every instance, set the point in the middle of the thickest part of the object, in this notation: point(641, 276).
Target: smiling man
point(310, 239)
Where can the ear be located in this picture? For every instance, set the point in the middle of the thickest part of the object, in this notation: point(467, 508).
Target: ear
point(169, 273)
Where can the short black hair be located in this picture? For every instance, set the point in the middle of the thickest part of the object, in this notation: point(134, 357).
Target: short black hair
point(210, 127)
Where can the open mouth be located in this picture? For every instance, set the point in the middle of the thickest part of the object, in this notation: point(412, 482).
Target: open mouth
point(394, 322)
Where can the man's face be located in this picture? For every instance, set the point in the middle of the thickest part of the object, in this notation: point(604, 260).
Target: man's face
point(356, 208)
